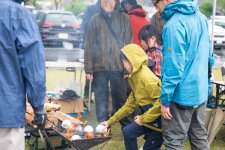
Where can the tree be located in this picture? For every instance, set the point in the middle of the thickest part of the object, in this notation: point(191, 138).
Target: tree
point(221, 5)
point(206, 9)
point(57, 2)
point(31, 2)
point(76, 6)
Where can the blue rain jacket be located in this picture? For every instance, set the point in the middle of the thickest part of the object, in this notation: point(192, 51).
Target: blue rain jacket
point(22, 65)
point(186, 54)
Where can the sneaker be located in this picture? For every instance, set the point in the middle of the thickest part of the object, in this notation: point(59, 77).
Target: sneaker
point(141, 148)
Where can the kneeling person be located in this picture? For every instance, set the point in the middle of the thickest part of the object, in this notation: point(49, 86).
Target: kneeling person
point(145, 94)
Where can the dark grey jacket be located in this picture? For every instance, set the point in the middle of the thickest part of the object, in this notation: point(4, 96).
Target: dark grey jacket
point(90, 11)
point(102, 53)
point(157, 21)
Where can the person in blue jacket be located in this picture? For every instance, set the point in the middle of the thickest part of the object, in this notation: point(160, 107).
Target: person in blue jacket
point(187, 53)
point(22, 75)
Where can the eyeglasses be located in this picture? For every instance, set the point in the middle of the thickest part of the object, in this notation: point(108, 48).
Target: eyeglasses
point(155, 4)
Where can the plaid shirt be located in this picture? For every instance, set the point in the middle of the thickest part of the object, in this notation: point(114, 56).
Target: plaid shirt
point(155, 60)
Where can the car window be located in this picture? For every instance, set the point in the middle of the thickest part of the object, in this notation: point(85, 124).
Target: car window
point(58, 19)
point(39, 17)
point(222, 24)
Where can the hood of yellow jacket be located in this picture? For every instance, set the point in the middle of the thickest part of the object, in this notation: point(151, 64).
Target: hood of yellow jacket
point(136, 56)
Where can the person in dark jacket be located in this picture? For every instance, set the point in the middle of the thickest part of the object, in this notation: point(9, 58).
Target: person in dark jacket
point(157, 21)
point(137, 18)
point(127, 5)
point(22, 74)
point(88, 14)
point(108, 32)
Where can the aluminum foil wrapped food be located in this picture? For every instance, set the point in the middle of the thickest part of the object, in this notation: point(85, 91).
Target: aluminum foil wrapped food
point(101, 129)
point(66, 124)
point(88, 128)
point(75, 137)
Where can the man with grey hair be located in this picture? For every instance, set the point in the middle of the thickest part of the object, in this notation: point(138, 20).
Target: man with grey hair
point(107, 33)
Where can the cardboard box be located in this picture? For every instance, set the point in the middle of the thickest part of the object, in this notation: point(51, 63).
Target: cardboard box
point(70, 106)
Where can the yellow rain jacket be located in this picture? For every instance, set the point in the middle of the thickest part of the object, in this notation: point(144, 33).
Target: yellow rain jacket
point(145, 90)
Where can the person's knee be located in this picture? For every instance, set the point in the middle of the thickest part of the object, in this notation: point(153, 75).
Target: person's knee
point(127, 132)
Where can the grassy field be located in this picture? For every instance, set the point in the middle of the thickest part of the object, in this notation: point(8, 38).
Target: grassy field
point(60, 78)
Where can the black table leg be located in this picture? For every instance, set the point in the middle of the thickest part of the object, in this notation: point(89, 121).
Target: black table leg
point(217, 95)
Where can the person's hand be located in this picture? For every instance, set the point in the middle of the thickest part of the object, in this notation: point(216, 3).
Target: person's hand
point(105, 123)
point(165, 112)
point(40, 119)
point(89, 77)
point(137, 120)
point(125, 76)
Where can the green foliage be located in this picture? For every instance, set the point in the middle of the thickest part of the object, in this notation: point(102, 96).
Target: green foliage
point(76, 7)
point(206, 9)
point(221, 5)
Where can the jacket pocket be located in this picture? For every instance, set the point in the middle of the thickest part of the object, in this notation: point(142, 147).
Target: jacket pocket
point(157, 122)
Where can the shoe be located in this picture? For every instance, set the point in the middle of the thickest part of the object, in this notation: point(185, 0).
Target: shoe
point(141, 148)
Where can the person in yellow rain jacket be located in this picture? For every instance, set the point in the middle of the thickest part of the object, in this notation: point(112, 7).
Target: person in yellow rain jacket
point(145, 95)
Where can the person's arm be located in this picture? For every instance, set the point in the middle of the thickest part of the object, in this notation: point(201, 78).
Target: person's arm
point(128, 31)
point(31, 58)
point(173, 60)
point(125, 110)
point(153, 113)
point(86, 19)
point(89, 47)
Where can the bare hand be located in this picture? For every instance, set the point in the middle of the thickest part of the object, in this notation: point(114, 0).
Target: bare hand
point(105, 123)
point(137, 120)
point(89, 77)
point(165, 112)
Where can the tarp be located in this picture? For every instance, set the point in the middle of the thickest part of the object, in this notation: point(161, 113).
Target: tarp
point(214, 121)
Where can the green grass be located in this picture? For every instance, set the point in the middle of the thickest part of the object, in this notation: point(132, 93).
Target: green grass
point(59, 78)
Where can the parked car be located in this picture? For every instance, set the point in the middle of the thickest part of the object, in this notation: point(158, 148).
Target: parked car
point(220, 17)
point(219, 36)
point(59, 29)
point(219, 22)
point(80, 17)
point(61, 36)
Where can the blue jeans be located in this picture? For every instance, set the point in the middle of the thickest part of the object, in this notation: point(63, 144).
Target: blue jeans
point(153, 139)
point(101, 90)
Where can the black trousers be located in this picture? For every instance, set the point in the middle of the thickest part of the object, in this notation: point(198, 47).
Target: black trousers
point(101, 90)
point(153, 139)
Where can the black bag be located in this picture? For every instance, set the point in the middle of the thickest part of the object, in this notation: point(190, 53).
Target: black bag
point(69, 94)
